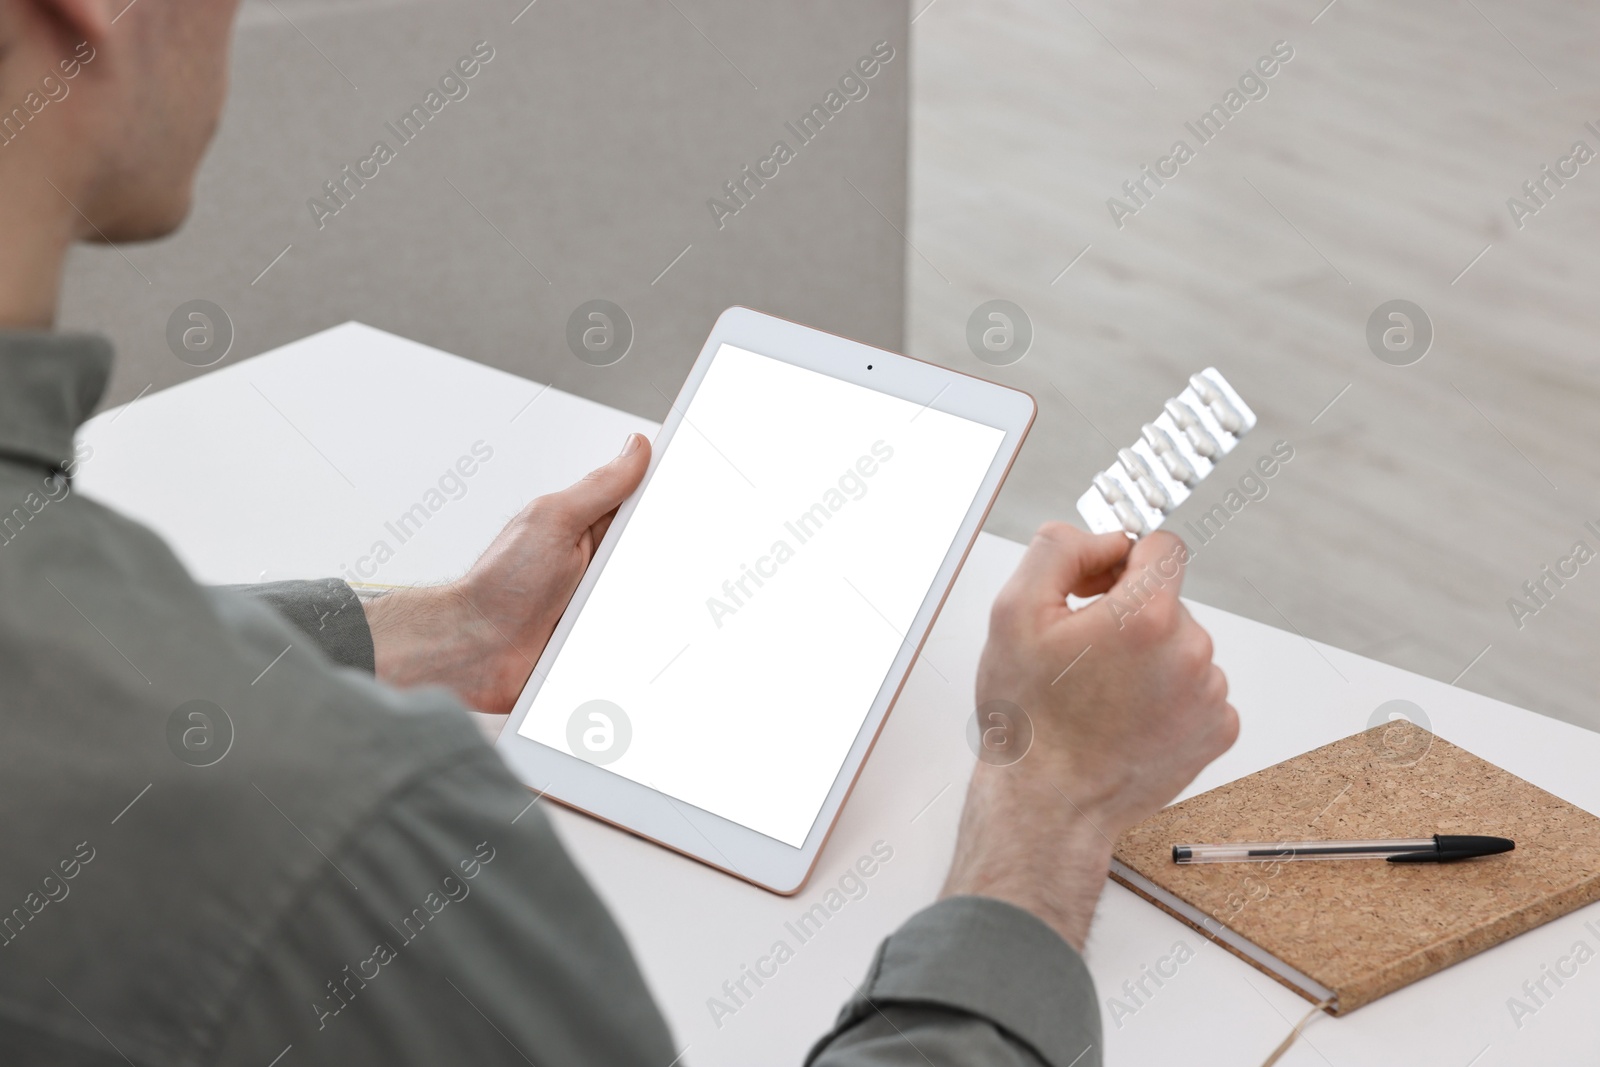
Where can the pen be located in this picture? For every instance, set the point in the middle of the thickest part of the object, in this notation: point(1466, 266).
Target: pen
point(1440, 848)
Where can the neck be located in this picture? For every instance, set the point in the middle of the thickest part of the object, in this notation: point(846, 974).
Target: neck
point(39, 226)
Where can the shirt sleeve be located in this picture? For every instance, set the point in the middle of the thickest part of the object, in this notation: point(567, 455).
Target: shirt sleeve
point(452, 929)
point(969, 980)
point(326, 611)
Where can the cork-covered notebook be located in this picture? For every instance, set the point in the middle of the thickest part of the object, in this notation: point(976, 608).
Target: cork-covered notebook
point(1351, 931)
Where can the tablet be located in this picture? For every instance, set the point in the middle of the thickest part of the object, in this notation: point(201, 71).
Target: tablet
point(730, 655)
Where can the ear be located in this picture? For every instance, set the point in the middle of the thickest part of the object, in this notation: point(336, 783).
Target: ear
point(82, 21)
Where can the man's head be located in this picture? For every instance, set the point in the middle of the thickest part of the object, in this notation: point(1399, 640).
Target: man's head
point(113, 102)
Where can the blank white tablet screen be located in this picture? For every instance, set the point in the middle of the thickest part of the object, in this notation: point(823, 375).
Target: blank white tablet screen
point(755, 603)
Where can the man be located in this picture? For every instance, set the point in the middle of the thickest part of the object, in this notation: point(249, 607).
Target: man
point(345, 882)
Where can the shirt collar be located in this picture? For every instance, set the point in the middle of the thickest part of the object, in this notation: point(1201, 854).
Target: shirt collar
point(49, 384)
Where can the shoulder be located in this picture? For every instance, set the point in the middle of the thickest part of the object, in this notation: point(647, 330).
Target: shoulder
point(177, 768)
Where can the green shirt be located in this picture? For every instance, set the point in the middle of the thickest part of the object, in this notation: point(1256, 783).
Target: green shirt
point(225, 843)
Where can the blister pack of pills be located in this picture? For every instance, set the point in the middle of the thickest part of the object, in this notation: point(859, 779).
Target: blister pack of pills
point(1174, 453)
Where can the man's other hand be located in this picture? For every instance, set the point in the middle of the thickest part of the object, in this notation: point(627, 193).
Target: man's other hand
point(1121, 706)
point(481, 635)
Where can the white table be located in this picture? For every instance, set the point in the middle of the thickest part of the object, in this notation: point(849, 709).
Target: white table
point(289, 465)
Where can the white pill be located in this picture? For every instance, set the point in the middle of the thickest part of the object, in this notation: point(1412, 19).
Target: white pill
point(1110, 488)
point(1199, 437)
point(1129, 516)
point(1162, 444)
point(1145, 479)
point(1227, 415)
point(1206, 388)
point(1222, 408)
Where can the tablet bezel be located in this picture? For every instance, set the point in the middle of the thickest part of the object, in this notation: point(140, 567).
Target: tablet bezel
point(711, 839)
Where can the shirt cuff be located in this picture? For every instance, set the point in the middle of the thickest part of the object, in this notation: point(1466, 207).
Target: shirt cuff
point(327, 611)
point(993, 960)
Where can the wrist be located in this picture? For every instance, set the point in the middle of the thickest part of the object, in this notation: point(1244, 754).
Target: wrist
point(1032, 845)
point(431, 635)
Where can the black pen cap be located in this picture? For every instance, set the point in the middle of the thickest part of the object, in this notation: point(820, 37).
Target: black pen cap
point(1452, 847)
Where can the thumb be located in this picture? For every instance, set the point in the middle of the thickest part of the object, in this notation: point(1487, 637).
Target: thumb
point(1062, 559)
point(1156, 562)
point(598, 493)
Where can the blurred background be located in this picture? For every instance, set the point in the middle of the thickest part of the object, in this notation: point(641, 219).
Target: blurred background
point(1397, 153)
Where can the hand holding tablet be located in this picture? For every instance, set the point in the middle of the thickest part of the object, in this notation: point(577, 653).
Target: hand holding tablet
point(722, 671)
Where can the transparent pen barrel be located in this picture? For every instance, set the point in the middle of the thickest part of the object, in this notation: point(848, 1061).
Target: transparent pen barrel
point(1267, 851)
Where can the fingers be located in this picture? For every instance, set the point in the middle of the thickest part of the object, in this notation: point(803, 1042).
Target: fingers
point(1154, 569)
point(1164, 554)
point(1220, 715)
point(1220, 718)
point(1228, 732)
point(597, 494)
point(1063, 559)
point(1095, 584)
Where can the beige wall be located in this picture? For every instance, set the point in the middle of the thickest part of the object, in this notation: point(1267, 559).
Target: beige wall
point(591, 142)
